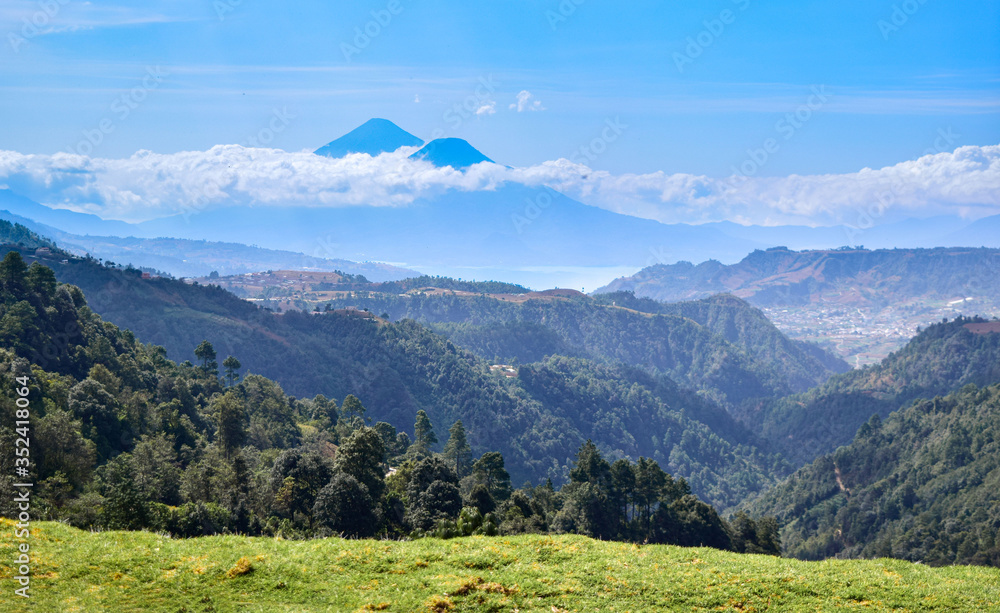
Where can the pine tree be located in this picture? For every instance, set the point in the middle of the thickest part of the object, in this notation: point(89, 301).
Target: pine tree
point(457, 452)
point(231, 427)
point(424, 432)
point(232, 366)
point(206, 353)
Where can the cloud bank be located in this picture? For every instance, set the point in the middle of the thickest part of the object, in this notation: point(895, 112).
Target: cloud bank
point(147, 185)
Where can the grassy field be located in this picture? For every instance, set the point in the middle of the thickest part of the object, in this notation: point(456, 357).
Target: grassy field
point(137, 571)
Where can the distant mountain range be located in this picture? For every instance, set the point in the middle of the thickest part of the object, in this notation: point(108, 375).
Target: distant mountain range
point(507, 232)
point(198, 258)
point(861, 304)
point(850, 277)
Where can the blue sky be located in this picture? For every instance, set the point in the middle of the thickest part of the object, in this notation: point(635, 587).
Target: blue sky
point(897, 76)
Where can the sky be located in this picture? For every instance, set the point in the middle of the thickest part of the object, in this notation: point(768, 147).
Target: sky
point(655, 96)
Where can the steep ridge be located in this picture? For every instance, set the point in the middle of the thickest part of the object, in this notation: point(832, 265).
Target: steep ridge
point(941, 359)
point(922, 485)
point(734, 356)
point(804, 364)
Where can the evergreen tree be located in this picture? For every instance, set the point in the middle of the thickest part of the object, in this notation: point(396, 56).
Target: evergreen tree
point(231, 422)
point(432, 493)
point(457, 451)
point(424, 432)
point(125, 507)
point(206, 353)
point(232, 366)
point(12, 270)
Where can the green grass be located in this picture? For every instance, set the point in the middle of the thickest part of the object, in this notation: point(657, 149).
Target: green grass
point(138, 571)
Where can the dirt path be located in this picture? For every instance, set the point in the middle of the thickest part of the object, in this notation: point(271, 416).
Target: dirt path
point(840, 483)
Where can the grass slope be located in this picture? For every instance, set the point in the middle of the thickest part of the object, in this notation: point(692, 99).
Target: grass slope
point(136, 571)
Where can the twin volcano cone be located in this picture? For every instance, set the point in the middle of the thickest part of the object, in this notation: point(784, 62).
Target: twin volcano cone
point(377, 136)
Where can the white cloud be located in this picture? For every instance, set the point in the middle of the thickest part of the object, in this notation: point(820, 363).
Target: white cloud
point(487, 108)
point(526, 101)
point(147, 185)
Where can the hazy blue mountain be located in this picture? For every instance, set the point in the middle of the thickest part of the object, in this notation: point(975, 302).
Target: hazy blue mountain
point(373, 137)
point(454, 152)
point(197, 258)
point(939, 231)
point(793, 237)
point(505, 233)
point(70, 221)
point(910, 233)
point(514, 225)
point(984, 232)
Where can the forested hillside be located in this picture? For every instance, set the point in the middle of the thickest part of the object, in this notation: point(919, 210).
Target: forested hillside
point(922, 485)
point(401, 368)
point(119, 437)
point(723, 347)
point(941, 359)
point(805, 365)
